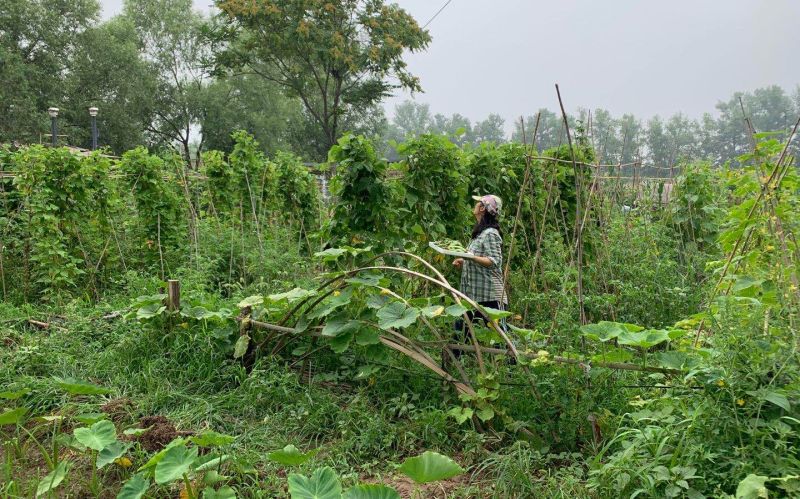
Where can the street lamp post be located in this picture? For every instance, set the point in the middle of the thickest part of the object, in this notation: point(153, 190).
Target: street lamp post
point(93, 113)
point(53, 112)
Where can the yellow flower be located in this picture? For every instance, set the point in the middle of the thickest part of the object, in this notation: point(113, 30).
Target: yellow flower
point(720, 383)
point(517, 317)
point(740, 402)
point(337, 293)
point(770, 248)
point(123, 462)
point(185, 325)
point(385, 291)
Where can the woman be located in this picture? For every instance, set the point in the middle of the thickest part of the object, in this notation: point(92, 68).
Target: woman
point(482, 275)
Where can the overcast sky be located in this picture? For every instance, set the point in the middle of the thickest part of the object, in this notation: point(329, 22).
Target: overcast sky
point(628, 56)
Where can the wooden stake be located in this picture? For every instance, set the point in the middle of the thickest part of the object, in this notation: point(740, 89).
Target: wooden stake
point(173, 295)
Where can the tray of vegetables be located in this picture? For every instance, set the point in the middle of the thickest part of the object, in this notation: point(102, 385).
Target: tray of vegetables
point(451, 248)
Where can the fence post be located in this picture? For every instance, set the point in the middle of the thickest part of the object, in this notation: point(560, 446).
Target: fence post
point(173, 295)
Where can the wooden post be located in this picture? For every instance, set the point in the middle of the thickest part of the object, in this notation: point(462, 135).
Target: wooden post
point(173, 295)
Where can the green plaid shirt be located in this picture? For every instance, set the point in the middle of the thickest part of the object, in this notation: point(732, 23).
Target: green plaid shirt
point(484, 283)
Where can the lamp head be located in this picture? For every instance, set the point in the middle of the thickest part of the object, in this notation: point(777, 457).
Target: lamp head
point(52, 111)
point(93, 111)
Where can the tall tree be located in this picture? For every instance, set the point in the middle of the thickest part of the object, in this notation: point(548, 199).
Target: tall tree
point(339, 57)
point(171, 34)
point(37, 39)
point(490, 130)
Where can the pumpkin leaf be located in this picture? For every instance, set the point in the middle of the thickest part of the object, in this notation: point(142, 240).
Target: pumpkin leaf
point(397, 315)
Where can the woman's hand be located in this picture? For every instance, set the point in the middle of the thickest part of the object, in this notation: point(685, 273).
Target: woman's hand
point(458, 262)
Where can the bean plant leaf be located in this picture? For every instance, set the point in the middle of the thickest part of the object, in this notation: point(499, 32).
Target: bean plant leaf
point(240, 348)
point(371, 491)
point(176, 461)
point(77, 387)
point(323, 484)
point(430, 467)
point(53, 479)
point(224, 492)
point(456, 310)
point(212, 439)
point(12, 416)
point(397, 315)
point(752, 487)
point(134, 488)
point(111, 452)
point(97, 436)
point(291, 456)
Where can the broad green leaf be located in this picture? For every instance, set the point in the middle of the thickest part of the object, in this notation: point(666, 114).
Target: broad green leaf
point(366, 279)
point(207, 463)
point(134, 488)
point(111, 452)
point(371, 491)
point(377, 301)
point(397, 315)
point(339, 324)
point(240, 348)
point(330, 254)
point(224, 492)
point(337, 300)
point(158, 456)
point(12, 416)
point(433, 311)
point(340, 344)
point(149, 311)
point(603, 330)
point(367, 336)
point(485, 414)
point(671, 359)
point(53, 479)
point(77, 387)
point(430, 467)
point(91, 417)
point(176, 461)
point(613, 355)
point(323, 484)
point(212, 439)
point(643, 339)
point(292, 295)
point(251, 301)
point(291, 456)
point(752, 487)
point(772, 396)
point(97, 436)
point(496, 314)
point(455, 310)
point(14, 395)
point(461, 414)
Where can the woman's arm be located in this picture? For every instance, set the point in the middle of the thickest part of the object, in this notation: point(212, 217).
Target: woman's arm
point(483, 261)
point(492, 251)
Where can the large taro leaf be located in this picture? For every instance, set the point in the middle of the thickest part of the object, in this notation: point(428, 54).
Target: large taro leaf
point(53, 479)
point(224, 492)
point(9, 395)
point(643, 339)
point(397, 315)
point(323, 484)
point(12, 416)
point(134, 488)
point(371, 491)
point(77, 387)
point(176, 461)
point(211, 438)
point(290, 456)
point(98, 436)
point(430, 467)
point(158, 456)
point(111, 452)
